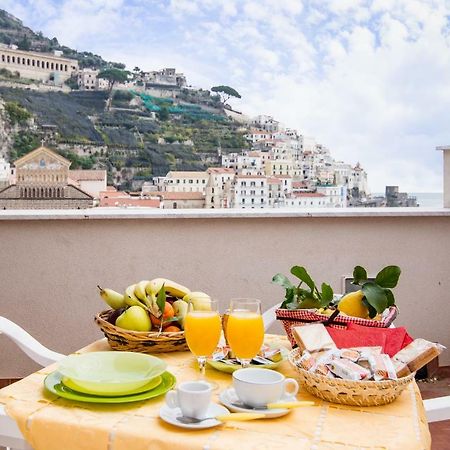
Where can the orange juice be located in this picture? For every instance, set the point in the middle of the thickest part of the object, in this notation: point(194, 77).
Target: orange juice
point(202, 330)
point(245, 333)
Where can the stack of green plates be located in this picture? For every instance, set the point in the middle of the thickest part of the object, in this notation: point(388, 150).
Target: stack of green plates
point(110, 377)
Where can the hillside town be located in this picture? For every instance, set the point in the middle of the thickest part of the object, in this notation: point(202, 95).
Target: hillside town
point(279, 168)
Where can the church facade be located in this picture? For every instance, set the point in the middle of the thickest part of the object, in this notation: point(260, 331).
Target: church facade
point(42, 182)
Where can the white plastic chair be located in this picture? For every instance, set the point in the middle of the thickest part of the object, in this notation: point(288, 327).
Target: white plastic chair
point(10, 435)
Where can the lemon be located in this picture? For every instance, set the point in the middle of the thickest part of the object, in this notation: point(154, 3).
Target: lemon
point(352, 305)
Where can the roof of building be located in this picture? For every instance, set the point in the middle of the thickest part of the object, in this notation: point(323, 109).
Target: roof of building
point(87, 175)
point(130, 201)
point(298, 184)
point(181, 195)
point(308, 194)
point(272, 180)
point(250, 176)
point(219, 170)
point(186, 174)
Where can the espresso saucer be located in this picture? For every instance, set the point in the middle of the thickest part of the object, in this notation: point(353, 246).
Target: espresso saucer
point(170, 415)
point(229, 398)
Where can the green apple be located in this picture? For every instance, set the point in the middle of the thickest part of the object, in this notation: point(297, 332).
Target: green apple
point(134, 318)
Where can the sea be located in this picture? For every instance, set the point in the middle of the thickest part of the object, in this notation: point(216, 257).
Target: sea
point(426, 199)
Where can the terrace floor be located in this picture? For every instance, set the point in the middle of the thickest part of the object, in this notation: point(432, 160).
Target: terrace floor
point(438, 386)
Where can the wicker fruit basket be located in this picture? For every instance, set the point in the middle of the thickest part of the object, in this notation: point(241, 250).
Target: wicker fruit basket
point(295, 317)
point(347, 392)
point(138, 341)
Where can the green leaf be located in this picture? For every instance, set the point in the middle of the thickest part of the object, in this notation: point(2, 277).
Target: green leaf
point(161, 299)
point(289, 297)
point(359, 274)
point(388, 277)
point(282, 280)
point(309, 303)
point(390, 297)
point(302, 274)
point(375, 296)
point(372, 310)
point(327, 295)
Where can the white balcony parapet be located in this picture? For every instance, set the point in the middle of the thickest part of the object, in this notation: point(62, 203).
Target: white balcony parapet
point(142, 213)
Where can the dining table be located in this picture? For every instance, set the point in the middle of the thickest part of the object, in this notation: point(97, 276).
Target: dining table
point(49, 422)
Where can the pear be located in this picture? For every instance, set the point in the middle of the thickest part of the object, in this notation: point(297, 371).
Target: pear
point(180, 308)
point(112, 298)
point(134, 318)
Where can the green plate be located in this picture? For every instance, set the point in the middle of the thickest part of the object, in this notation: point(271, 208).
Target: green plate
point(218, 365)
point(152, 384)
point(53, 383)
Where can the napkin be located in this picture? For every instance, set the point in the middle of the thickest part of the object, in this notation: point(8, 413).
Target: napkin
point(390, 339)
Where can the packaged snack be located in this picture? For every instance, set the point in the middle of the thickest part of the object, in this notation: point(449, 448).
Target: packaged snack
point(401, 369)
point(368, 350)
point(347, 353)
point(382, 368)
point(321, 366)
point(348, 370)
point(313, 337)
point(306, 361)
point(418, 353)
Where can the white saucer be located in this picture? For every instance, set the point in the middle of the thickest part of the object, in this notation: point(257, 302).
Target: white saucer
point(229, 396)
point(170, 415)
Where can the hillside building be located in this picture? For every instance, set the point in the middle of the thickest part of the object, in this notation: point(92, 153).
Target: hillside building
point(46, 67)
point(42, 182)
point(187, 181)
point(88, 80)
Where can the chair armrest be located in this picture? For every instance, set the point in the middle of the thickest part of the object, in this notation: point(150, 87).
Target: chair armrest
point(33, 348)
point(269, 316)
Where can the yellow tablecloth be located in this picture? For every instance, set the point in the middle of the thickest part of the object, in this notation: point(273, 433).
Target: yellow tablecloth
point(52, 423)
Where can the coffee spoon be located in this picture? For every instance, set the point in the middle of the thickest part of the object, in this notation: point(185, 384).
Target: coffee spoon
point(222, 418)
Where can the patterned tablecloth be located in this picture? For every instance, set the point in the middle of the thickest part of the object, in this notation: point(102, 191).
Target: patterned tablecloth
point(52, 423)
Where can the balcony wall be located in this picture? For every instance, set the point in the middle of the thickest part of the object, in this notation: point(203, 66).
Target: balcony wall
point(53, 260)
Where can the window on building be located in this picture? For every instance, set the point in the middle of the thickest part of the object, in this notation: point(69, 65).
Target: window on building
point(203, 181)
point(262, 200)
point(253, 201)
point(252, 183)
point(243, 201)
point(13, 59)
point(7, 59)
point(191, 181)
point(28, 61)
point(3, 58)
point(65, 67)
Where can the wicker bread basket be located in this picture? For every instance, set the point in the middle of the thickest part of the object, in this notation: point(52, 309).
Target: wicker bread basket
point(347, 392)
point(138, 341)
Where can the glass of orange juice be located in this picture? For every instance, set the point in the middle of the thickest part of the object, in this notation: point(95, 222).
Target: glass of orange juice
point(202, 328)
point(245, 329)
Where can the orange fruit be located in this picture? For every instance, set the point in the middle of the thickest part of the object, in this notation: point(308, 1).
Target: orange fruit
point(171, 329)
point(168, 314)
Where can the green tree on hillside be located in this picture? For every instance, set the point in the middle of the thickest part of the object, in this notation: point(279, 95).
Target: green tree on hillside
point(24, 44)
point(113, 76)
point(226, 92)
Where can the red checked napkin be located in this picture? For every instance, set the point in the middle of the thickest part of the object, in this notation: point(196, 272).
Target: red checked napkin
point(390, 339)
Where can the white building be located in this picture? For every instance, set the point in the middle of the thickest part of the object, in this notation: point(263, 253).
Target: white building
point(188, 181)
point(5, 173)
point(306, 200)
point(267, 123)
point(88, 80)
point(219, 188)
point(91, 181)
point(336, 196)
point(250, 191)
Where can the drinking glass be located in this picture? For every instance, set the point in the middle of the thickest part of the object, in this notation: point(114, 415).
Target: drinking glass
point(245, 329)
point(202, 328)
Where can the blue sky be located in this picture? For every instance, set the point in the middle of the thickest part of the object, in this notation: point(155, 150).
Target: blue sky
point(368, 79)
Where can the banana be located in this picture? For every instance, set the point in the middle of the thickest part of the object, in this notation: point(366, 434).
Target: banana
point(112, 298)
point(139, 292)
point(171, 287)
point(131, 299)
point(194, 295)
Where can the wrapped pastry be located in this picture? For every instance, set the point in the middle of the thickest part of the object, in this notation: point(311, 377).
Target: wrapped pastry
point(306, 361)
point(401, 369)
point(313, 337)
point(352, 355)
point(348, 370)
point(382, 368)
point(418, 353)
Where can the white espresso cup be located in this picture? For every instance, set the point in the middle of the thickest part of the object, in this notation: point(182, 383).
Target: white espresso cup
point(192, 397)
point(258, 387)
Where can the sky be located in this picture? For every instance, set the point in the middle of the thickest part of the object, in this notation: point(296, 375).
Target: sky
point(370, 80)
